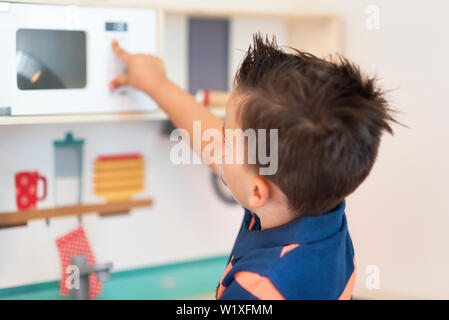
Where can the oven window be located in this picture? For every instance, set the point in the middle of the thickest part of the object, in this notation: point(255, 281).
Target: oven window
point(50, 59)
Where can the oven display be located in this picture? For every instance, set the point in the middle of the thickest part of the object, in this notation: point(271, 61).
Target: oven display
point(116, 26)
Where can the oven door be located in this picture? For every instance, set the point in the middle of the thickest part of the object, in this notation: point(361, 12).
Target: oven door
point(58, 59)
point(50, 59)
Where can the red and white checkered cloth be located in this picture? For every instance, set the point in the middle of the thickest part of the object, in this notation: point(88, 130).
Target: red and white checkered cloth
point(72, 244)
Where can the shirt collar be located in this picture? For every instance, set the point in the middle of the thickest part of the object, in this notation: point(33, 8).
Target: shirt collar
point(301, 231)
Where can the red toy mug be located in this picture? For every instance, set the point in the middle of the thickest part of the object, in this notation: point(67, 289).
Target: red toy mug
point(26, 189)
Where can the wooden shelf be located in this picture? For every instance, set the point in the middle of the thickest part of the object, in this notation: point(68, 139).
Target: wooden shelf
point(20, 218)
point(92, 118)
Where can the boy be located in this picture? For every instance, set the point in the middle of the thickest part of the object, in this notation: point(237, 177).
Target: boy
point(294, 241)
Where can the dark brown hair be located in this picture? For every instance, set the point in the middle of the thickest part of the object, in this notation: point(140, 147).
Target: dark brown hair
point(330, 119)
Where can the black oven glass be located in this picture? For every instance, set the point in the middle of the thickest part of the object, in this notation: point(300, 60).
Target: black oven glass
point(50, 59)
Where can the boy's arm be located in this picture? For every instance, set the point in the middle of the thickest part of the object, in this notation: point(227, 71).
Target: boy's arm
point(147, 73)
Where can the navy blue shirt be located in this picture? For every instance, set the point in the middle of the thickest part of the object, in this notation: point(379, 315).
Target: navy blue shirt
point(307, 258)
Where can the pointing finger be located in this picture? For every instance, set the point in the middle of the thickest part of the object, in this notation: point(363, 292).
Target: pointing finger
point(122, 54)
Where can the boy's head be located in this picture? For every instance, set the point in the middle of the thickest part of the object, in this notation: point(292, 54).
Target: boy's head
point(330, 119)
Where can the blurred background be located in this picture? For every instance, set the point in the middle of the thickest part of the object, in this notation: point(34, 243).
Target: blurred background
point(177, 246)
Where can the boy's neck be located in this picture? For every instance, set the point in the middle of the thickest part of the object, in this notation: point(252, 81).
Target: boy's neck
point(272, 217)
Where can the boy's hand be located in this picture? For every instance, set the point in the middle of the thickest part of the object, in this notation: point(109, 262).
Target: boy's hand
point(145, 72)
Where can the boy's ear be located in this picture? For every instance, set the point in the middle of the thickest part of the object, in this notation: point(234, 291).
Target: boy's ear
point(260, 193)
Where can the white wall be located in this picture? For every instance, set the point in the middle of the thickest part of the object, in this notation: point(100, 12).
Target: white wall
point(399, 216)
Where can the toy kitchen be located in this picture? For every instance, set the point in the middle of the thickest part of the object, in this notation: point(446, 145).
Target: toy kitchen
point(87, 180)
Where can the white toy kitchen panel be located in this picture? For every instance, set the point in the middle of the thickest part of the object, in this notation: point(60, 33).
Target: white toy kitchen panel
point(189, 218)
